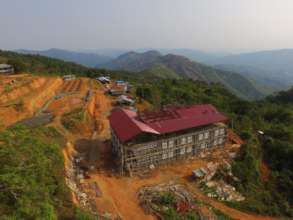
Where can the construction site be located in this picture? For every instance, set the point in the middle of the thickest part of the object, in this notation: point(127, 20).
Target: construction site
point(79, 108)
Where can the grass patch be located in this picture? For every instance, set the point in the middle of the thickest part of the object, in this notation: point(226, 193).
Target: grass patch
point(167, 199)
point(71, 119)
point(220, 215)
point(32, 176)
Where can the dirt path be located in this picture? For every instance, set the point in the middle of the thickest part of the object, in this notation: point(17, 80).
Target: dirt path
point(119, 194)
point(233, 213)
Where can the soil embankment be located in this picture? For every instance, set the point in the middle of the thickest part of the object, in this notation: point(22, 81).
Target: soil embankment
point(24, 98)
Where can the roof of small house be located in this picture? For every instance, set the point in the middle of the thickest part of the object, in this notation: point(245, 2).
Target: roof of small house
point(4, 65)
point(128, 124)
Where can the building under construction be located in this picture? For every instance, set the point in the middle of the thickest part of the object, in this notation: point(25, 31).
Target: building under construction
point(142, 141)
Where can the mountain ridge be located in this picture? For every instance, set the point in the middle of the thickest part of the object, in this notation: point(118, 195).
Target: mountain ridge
point(86, 59)
point(185, 68)
point(273, 66)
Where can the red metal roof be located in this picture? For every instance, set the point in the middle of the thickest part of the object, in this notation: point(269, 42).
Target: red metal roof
point(128, 124)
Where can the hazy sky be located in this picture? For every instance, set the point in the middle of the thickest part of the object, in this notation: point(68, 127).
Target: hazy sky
point(199, 24)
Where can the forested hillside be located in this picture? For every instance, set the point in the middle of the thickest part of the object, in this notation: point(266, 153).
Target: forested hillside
point(32, 184)
point(39, 189)
point(274, 64)
point(175, 66)
point(42, 65)
point(86, 59)
point(169, 66)
point(267, 193)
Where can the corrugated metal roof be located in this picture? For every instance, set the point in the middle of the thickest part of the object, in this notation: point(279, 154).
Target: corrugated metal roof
point(4, 65)
point(128, 124)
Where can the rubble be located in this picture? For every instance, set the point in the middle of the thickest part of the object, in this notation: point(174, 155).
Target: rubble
point(74, 178)
point(223, 191)
point(149, 197)
point(220, 189)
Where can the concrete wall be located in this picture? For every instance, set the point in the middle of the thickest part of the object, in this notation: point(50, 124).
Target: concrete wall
point(7, 70)
point(136, 158)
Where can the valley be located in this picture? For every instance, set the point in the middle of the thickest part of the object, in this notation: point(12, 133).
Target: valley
point(73, 111)
point(80, 110)
point(146, 110)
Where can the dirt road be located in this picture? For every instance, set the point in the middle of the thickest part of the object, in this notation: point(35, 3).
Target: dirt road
point(119, 194)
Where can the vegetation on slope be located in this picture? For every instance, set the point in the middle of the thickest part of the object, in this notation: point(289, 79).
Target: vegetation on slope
point(37, 64)
point(274, 116)
point(161, 71)
point(149, 62)
point(41, 65)
point(71, 120)
point(275, 65)
point(32, 182)
point(275, 148)
point(86, 59)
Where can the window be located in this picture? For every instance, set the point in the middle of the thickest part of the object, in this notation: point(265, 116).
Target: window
point(182, 150)
point(216, 132)
point(222, 131)
point(164, 145)
point(189, 149)
point(206, 135)
point(171, 154)
point(215, 142)
point(200, 137)
point(171, 143)
point(202, 145)
point(220, 141)
point(164, 156)
point(151, 145)
point(189, 139)
point(183, 140)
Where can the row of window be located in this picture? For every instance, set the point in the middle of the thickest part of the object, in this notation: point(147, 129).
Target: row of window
point(188, 149)
point(170, 143)
point(188, 140)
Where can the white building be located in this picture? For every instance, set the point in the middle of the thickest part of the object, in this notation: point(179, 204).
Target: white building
point(6, 68)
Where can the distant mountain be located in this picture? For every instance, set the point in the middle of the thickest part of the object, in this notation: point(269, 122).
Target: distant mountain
point(161, 71)
point(174, 66)
point(283, 97)
point(86, 59)
point(107, 52)
point(274, 68)
point(193, 54)
point(133, 61)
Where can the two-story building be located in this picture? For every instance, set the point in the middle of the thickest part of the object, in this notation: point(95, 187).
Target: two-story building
point(142, 141)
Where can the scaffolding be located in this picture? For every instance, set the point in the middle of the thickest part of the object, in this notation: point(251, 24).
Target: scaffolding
point(141, 155)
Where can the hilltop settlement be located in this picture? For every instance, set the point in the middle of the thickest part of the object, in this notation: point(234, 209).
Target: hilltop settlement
point(123, 155)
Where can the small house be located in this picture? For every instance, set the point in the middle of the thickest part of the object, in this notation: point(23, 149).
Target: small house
point(6, 68)
point(120, 83)
point(127, 100)
point(104, 79)
point(69, 77)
